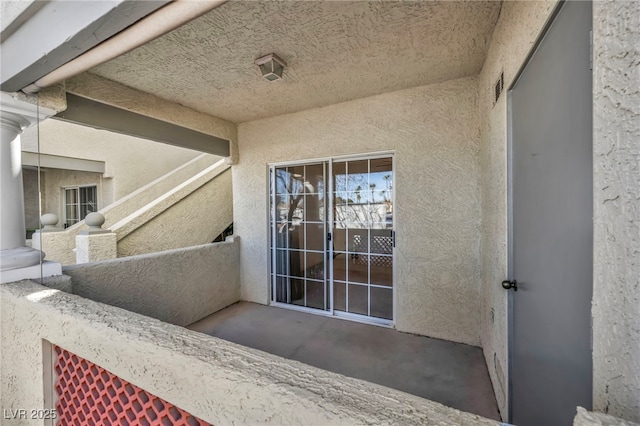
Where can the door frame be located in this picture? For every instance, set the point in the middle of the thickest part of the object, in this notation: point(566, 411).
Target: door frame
point(329, 251)
point(510, 210)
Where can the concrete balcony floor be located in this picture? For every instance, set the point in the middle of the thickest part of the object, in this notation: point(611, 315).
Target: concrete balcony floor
point(453, 374)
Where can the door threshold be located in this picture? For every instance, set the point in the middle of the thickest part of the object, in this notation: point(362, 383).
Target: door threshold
point(380, 322)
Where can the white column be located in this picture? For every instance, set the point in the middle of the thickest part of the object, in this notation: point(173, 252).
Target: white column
point(12, 226)
point(16, 260)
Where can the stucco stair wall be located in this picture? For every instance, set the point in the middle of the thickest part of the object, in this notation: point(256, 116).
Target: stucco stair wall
point(191, 205)
point(184, 217)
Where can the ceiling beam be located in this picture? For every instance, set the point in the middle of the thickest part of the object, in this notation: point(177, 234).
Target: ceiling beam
point(106, 117)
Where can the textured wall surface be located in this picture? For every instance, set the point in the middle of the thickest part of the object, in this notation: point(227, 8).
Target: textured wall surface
point(434, 132)
point(515, 33)
point(51, 183)
point(52, 98)
point(96, 247)
point(195, 215)
point(616, 154)
point(177, 286)
point(57, 246)
point(218, 381)
point(589, 418)
point(130, 162)
point(146, 194)
point(153, 199)
point(53, 180)
point(335, 52)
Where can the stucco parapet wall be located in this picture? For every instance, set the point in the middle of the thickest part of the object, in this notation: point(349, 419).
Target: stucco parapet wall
point(135, 220)
point(118, 95)
point(178, 286)
point(218, 381)
point(588, 418)
point(197, 219)
point(57, 246)
point(96, 247)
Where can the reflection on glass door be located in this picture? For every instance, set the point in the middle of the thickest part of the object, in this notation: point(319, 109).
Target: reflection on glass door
point(363, 237)
point(332, 237)
point(298, 235)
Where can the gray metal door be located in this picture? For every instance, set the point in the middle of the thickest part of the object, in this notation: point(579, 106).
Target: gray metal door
point(551, 229)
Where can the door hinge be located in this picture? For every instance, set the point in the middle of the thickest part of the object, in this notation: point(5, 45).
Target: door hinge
point(328, 236)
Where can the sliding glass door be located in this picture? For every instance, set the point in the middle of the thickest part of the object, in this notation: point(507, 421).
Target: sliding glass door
point(332, 237)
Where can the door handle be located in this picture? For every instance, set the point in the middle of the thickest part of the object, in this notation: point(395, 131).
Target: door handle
point(506, 284)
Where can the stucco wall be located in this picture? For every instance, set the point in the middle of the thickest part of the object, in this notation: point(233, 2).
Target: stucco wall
point(130, 162)
point(616, 154)
point(197, 218)
point(218, 381)
point(52, 182)
point(187, 219)
point(434, 132)
point(515, 33)
point(55, 179)
point(176, 286)
point(590, 418)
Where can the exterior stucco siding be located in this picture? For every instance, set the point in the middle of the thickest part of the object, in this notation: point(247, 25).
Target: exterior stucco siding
point(213, 379)
point(55, 180)
point(616, 153)
point(130, 162)
point(196, 219)
point(177, 286)
point(434, 133)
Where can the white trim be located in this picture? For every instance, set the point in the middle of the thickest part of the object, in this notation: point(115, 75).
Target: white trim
point(347, 157)
point(394, 302)
point(365, 319)
point(301, 308)
point(347, 316)
point(65, 204)
point(329, 217)
point(61, 162)
point(271, 216)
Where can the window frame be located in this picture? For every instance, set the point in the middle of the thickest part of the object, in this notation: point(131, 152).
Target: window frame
point(79, 204)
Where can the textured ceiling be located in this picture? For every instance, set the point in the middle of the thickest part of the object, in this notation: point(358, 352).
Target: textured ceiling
point(335, 51)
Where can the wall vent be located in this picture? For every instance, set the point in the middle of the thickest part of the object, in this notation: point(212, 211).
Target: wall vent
point(499, 87)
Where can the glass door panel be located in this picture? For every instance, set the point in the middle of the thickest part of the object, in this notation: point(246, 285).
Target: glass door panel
point(298, 235)
point(353, 271)
point(363, 237)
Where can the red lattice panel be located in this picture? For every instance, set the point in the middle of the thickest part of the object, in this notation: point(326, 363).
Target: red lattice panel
point(90, 395)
